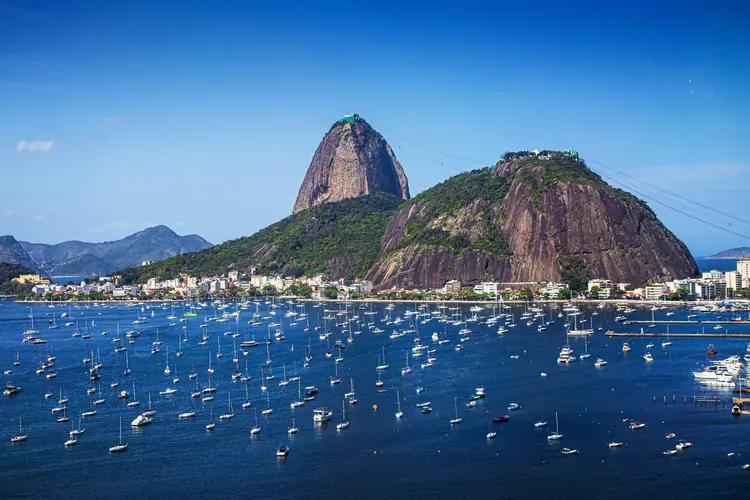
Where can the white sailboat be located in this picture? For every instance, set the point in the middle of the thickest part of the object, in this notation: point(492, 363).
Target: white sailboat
point(230, 412)
point(555, 436)
point(344, 422)
point(246, 403)
point(134, 402)
point(667, 343)
point(167, 370)
point(399, 413)
point(150, 412)
point(20, 437)
point(458, 419)
point(119, 447)
point(255, 430)
point(211, 424)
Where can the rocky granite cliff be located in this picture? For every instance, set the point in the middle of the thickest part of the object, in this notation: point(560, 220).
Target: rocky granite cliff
point(531, 218)
point(352, 160)
point(527, 220)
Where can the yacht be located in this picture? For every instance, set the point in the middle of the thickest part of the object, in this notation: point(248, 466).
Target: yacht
point(600, 362)
point(321, 415)
point(282, 452)
point(141, 420)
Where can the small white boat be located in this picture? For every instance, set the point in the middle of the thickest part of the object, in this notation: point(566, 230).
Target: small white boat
point(614, 444)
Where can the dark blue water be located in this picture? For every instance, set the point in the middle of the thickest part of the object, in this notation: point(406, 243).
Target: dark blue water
point(378, 456)
point(705, 265)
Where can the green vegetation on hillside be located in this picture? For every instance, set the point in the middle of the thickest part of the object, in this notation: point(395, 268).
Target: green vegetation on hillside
point(7, 273)
point(308, 242)
point(561, 167)
point(446, 200)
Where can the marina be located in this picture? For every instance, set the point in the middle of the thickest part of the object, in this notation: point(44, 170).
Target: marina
point(435, 406)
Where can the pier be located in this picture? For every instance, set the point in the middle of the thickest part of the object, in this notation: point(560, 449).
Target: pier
point(612, 333)
point(662, 322)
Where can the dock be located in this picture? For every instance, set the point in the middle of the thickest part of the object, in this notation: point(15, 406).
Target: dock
point(612, 333)
point(661, 322)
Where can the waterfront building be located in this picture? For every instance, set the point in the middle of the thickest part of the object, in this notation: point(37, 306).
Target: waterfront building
point(743, 267)
point(733, 281)
point(452, 287)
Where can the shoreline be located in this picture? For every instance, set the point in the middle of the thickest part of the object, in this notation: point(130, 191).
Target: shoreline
point(680, 303)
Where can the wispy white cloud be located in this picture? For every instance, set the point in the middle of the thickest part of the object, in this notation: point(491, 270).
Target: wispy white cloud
point(34, 146)
point(37, 218)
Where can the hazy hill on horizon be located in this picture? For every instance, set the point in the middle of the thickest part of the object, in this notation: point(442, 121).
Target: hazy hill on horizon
point(76, 258)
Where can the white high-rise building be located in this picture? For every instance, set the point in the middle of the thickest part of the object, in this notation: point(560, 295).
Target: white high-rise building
point(743, 267)
point(733, 280)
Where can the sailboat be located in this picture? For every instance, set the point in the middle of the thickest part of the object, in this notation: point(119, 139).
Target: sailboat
point(351, 392)
point(335, 379)
point(126, 371)
point(667, 343)
point(458, 419)
point(383, 366)
point(300, 401)
point(399, 413)
point(586, 354)
point(20, 437)
point(246, 403)
point(230, 413)
point(267, 410)
point(255, 430)
point(134, 402)
point(119, 447)
point(188, 414)
point(555, 436)
point(150, 412)
point(167, 370)
point(80, 430)
point(293, 429)
point(72, 439)
point(64, 418)
point(211, 424)
point(282, 383)
point(407, 369)
point(344, 422)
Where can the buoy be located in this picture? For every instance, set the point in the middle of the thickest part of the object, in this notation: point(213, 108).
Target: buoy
point(375, 407)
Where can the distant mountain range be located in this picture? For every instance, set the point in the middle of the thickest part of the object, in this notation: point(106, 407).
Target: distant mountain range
point(732, 253)
point(79, 258)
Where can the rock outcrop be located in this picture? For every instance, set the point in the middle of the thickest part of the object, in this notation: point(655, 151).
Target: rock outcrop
point(527, 220)
point(352, 160)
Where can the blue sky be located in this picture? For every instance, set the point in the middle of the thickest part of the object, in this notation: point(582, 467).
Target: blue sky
point(121, 115)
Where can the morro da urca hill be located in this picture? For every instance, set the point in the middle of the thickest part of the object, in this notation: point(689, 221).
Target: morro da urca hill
point(527, 219)
point(352, 160)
